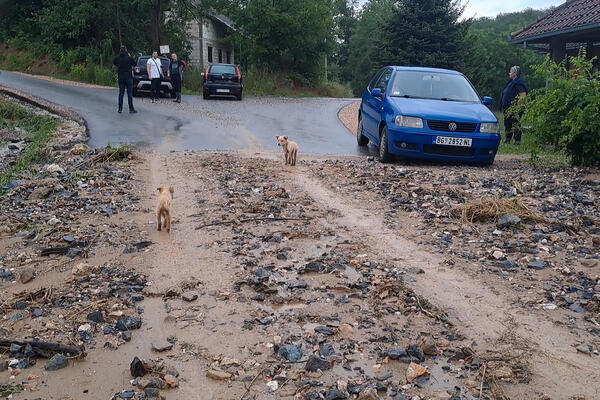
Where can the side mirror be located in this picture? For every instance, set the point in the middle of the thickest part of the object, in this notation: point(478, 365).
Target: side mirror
point(377, 93)
point(488, 101)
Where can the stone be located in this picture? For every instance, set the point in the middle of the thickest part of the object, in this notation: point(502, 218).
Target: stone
point(273, 386)
point(290, 352)
point(576, 307)
point(126, 323)
point(537, 264)
point(3, 365)
point(80, 149)
point(414, 371)
point(84, 328)
point(326, 350)
point(315, 363)
point(384, 376)
point(395, 353)
point(429, 347)
point(218, 375)
point(584, 348)
point(14, 348)
point(26, 275)
point(40, 193)
point(314, 266)
point(325, 330)
point(55, 168)
point(137, 368)
point(498, 255)
point(335, 394)
point(508, 220)
point(81, 269)
point(368, 394)
point(126, 336)
point(96, 317)
point(189, 296)
point(345, 329)
point(151, 393)
point(58, 361)
point(590, 263)
point(161, 346)
point(171, 381)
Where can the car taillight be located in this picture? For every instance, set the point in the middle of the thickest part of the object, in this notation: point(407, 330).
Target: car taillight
point(137, 70)
point(239, 74)
point(206, 74)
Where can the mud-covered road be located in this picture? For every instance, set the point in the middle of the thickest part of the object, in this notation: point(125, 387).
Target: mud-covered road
point(339, 278)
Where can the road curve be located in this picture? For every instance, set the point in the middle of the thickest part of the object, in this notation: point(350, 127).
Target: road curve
point(198, 124)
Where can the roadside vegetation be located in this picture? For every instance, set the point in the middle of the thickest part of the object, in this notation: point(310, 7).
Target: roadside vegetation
point(37, 129)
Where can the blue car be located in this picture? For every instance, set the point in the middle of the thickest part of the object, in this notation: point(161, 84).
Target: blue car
point(427, 113)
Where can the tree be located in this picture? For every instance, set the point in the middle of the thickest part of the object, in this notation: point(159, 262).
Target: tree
point(407, 32)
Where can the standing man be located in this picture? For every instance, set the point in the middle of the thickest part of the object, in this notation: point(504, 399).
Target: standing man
point(514, 88)
point(176, 69)
point(124, 63)
point(155, 73)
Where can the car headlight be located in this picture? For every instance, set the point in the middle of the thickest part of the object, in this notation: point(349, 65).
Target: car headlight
point(489, 127)
point(409, 122)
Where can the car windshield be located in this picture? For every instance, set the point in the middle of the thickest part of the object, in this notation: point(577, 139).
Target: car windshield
point(223, 69)
point(433, 85)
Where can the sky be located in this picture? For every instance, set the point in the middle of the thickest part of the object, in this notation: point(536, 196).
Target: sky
point(491, 8)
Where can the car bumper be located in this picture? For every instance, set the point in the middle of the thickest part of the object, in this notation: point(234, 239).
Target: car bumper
point(144, 85)
point(422, 145)
point(223, 88)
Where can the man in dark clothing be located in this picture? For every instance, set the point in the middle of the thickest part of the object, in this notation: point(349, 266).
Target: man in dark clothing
point(124, 63)
point(514, 88)
point(176, 69)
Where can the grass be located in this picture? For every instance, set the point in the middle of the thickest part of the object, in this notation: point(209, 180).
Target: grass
point(491, 208)
point(261, 82)
point(38, 127)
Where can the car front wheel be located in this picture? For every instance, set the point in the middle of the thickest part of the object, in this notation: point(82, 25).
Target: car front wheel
point(361, 139)
point(384, 155)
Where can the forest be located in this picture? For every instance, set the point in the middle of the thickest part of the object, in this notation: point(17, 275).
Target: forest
point(292, 43)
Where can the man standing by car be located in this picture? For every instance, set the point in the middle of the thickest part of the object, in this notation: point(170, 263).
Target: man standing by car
point(124, 63)
point(154, 73)
point(514, 88)
point(176, 69)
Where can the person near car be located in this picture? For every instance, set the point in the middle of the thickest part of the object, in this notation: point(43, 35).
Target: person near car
point(154, 73)
point(514, 88)
point(175, 72)
point(124, 63)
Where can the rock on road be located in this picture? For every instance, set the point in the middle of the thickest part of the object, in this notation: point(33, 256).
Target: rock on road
point(197, 124)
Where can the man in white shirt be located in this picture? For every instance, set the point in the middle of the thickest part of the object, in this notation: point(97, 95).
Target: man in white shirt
point(154, 73)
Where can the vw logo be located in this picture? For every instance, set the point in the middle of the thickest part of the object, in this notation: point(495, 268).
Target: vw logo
point(452, 126)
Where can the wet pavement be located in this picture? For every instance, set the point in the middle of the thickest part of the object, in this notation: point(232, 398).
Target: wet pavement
point(197, 124)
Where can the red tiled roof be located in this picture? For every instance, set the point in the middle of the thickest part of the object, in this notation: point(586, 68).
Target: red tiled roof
point(571, 14)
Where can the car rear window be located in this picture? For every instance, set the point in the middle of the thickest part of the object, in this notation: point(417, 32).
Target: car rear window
point(223, 69)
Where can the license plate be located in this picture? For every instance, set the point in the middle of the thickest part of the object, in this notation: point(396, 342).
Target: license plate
point(222, 90)
point(453, 141)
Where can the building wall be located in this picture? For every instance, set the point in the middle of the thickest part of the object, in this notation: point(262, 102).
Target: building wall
point(211, 33)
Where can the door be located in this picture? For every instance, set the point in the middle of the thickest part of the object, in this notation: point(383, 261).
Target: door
point(375, 105)
point(367, 114)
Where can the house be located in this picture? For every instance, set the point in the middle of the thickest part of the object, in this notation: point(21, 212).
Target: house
point(210, 40)
point(565, 30)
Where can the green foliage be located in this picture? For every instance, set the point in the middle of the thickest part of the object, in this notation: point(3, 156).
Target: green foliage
point(565, 113)
point(285, 35)
point(402, 32)
point(38, 127)
point(489, 56)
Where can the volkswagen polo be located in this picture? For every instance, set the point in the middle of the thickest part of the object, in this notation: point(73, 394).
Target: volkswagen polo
point(427, 113)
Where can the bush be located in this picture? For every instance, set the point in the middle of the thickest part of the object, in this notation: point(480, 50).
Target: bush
point(565, 113)
point(77, 72)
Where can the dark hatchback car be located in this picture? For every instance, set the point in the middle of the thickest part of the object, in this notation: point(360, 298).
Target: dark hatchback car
point(222, 80)
point(141, 82)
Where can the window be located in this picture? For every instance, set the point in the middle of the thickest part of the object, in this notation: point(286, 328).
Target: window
point(382, 83)
point(433, 85)
point(223, 70)
point(210, 58)
point(228, 57)
point(375, 79)
point(220, 56)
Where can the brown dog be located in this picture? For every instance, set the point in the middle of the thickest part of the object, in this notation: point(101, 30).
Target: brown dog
point(290, 150)
point(163, 208)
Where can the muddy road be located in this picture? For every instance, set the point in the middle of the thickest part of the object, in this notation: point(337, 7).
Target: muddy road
point(340, 278)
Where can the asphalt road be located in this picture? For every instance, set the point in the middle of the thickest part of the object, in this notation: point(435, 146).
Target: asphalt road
point(198, 124)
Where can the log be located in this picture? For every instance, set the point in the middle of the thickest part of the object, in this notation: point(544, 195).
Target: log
point(71, 351)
